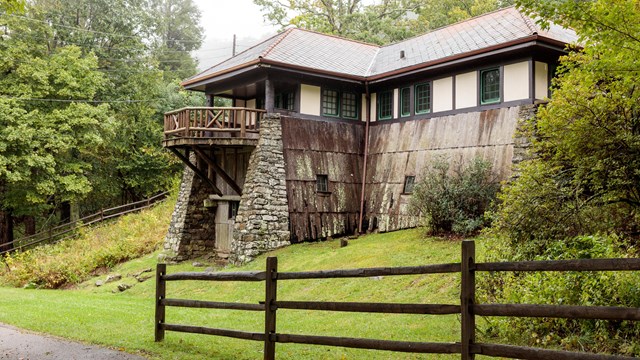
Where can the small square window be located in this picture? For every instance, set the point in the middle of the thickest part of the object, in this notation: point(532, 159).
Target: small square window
point(322, 183)
point(489, 86)
point(284, 101)
point(405, 101)
point(385, 105)
point(409, 181)
point(233, 209)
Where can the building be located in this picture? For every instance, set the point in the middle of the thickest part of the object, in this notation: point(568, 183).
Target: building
point(324, 129)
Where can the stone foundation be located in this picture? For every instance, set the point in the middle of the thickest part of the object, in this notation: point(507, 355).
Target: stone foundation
point(262, 223)
point(192, 228)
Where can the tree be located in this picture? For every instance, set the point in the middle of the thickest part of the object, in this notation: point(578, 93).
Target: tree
point(579, 196)
point(380, 23)
point(175, 32)
point(588, 135)
point(47, 136)
point(434, 14)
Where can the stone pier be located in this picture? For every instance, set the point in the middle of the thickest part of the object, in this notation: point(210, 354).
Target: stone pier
point(262, 222)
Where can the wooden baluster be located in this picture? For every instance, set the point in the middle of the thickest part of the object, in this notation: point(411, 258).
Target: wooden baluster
point(243, 124)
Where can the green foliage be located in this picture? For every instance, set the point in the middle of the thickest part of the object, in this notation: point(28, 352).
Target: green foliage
point(585, 178)
point(579, 196)
point(454, 197)
point(568, 288)
point(435, 14)
point(378, 22)
point(72, 261)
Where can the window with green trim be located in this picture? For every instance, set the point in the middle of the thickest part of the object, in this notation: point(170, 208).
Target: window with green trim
point(423, 98)
point(284, 101)
point(349, 105)
point(489, 86)
point(405, 101)
point(330, 105)
point(385, 105)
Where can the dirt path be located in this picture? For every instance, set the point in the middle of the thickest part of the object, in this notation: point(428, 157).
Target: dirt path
point(17, 344)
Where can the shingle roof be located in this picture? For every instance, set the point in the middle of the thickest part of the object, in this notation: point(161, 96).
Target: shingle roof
point(484, 31)
point(327, 53)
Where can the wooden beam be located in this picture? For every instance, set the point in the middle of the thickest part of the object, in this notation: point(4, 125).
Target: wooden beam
point(220, 171)
point(196, 170)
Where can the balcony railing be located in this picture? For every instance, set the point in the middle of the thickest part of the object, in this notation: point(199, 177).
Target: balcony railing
point(211, 122)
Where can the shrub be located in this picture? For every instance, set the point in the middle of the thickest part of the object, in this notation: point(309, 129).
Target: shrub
point(567, 288)
point(453, 197)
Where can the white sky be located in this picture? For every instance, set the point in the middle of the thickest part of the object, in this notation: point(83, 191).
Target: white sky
point(223, 18)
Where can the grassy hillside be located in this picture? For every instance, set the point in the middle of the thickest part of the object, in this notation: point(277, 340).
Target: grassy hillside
point(103, 315)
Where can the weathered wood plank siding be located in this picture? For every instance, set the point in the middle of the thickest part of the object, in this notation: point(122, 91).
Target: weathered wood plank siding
point(400, 149)
point(327, 148)
point(234, 161)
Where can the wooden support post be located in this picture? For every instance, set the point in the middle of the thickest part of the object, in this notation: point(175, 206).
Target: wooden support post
point(269, 96)
point(161, 290)
point(467, 298)
point(271, 285)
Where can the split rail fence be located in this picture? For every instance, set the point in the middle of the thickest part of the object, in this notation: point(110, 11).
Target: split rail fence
point(468, 308)
point(65, 231)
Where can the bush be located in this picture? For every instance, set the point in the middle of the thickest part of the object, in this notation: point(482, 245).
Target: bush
point(567, 288)
point(453, 198)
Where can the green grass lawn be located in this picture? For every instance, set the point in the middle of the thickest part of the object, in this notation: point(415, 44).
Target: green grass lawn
point(124, 320)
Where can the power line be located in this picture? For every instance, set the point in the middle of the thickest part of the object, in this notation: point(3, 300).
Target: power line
point(78, 100)
point(50, 23)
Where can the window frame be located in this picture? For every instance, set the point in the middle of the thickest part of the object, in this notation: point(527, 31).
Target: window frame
point(379, 104)
point(322, 179)
point(356, 105)
point(411, 187)
point(416, 99)
point(322, 102)
point(280, 96)
point(482, 86)
point(402, 98)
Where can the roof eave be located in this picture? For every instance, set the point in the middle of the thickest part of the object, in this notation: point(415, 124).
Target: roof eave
point(462, 56)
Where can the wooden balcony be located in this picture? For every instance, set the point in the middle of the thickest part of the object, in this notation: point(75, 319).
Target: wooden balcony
point(214, 126)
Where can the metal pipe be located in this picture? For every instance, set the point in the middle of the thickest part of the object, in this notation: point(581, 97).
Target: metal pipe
point(366, 153)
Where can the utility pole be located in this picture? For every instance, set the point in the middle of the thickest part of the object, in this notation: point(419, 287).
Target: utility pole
point(233, 53)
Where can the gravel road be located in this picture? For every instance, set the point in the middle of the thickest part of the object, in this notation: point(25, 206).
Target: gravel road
point(17, 344)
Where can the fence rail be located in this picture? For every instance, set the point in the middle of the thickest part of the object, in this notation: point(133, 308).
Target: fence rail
point(58, 232)
point(206, 122)
point(468, 308)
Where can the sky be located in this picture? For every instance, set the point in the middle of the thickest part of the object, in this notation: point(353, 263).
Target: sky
point(221, 19)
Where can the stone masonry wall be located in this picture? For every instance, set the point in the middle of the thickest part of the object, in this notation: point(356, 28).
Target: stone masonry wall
point(262, 222)
point(192, 228)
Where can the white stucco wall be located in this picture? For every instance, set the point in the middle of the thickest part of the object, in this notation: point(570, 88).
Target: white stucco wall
point(541, 80)
point(467, 90)
point(443, 94)
point(310, 99)
point(251, 103)
point(516, 81)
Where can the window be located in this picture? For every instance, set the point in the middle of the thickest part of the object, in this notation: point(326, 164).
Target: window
point(284, 101)
point(233, 209)
point(409, 181)
point(489, 86)
point(385, 105)
point(322, 183)
point(423, 98)
point(330, 106)
point(349, 105)
point(339, 104)
point(405, 101)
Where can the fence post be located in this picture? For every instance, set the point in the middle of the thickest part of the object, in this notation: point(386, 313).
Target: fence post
point(467, 298)
point(271, 285)
point(161, 289)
